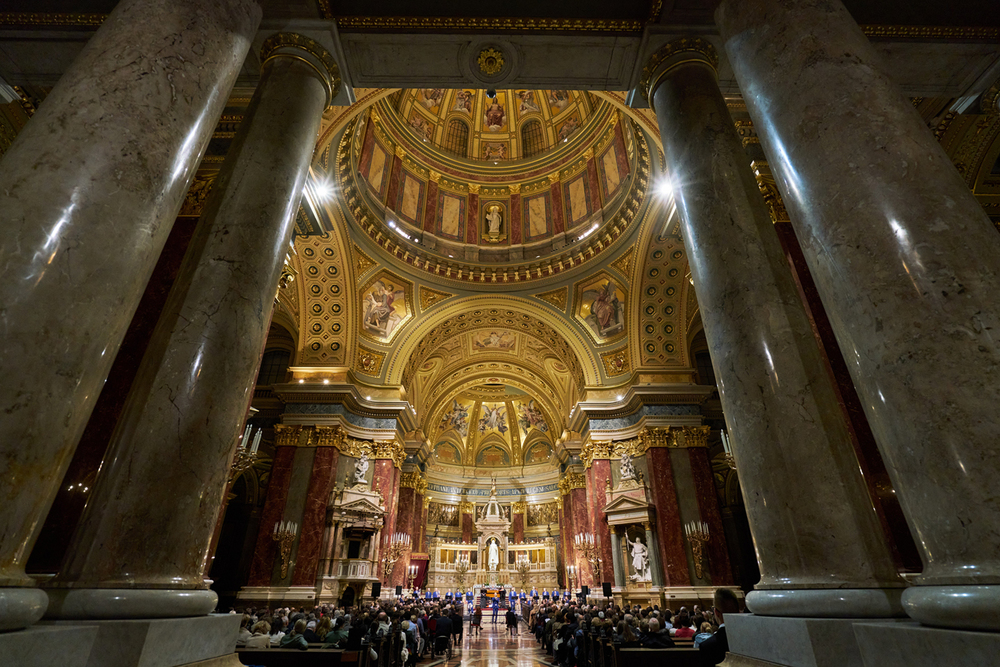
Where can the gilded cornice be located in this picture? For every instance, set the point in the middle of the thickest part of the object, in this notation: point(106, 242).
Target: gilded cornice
point(606, 450)
point(413, 480)
point(484, 24)
point(335, 436)
point(648, 438)
point(570, 481)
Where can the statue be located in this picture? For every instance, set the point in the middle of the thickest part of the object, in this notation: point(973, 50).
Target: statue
point(493, 218)
point(361, 470)
point(493, 486)
point(494, 557)
point(640, 560)
point(627, 470)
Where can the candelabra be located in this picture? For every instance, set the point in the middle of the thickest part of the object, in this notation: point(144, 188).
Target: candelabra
point(461, 569)
point(728, 457)
point(587, 545)
point(697, 534)
point(571, 575)
point(246, 454)
point(394, 548)
point(523, 568)
point(284, 535)
point(413, 575)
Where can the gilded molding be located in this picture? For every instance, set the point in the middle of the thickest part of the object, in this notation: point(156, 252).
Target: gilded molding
point(413, 480)
point(273, 48)
point(369, 361)
point(572, 480)
point(658, 437)
point(694, 45)
point(428, 297)
point(379, 449)
point(488, 24)
point(490, 61)
point(616, 362)
point(769, 189)
point(606, 450)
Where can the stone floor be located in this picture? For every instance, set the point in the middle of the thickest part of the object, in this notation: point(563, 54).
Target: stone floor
point(496, 648)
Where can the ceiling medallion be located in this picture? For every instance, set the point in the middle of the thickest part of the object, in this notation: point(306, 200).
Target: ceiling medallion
point(490, 61)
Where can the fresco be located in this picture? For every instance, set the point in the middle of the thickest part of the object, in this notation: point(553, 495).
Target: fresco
point(457, 417)
point(529, 417)
point(492, 457)
point(494, 340)
point(493, 417)
point(445, 452)
point(602, 308)
point(538, 453)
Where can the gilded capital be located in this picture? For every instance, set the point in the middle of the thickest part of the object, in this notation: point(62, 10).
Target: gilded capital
point(696, 436)
point(572, 480)
point(658, 437)
point(286, 436)
point(328, 436)
point(413, 480)
point(681, 51)
point(519, 507)
point(466, 507)
point(309, 51)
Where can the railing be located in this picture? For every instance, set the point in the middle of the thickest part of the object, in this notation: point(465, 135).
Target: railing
point(353, 568)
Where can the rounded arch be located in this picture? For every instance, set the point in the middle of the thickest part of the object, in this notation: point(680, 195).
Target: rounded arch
point(415, 332)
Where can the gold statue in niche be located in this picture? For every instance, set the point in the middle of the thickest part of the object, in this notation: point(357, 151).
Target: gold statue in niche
point(494, 222)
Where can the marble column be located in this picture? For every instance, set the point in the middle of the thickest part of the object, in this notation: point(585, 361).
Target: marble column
point(663, 492)
point(905, 261)
point(616, 557)
point(262, 563)
point(138, 556)
point(820, 547)
point(307, 558)
point(89, 191)
point(517, 527)
point(655, 568)
point(600, 476)
point(581, 523)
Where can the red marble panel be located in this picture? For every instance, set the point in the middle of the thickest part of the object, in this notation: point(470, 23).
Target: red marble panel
point(430, 208)
point(515, 219)
point(63, 516)
point(467, 527)
point(600, 474)
point(472, 219)
point(708, 505)
point(581, 524)
point(595, 189)
point(517, 527)
point(314, 516)
point(392, 194)
point(669, 529)
point(887, 506)
point(558, 213)
point(405, 521)
point(274, 507)
point(366, 150)
point(561, 552)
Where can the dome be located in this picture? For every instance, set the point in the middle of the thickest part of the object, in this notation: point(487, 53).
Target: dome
point(510, 188)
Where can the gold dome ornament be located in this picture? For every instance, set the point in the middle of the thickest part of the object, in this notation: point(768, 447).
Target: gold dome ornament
point(490, 61)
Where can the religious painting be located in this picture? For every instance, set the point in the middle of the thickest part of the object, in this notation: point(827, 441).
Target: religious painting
point(558, 100)
point(385, 306)
point(529, 416)
point(540, 515)
point(492, 457)
point(493, 221)
point(601, 307)
point(493, 417)
point(456, 417)
point(502, 341)
point(494, 116)
point(540, 452)
point(423, 128)
point(526, 102)
point(445, 452)
point(439, 514)
point(494, 150)
point(430, 98)
point(464, 101)
point(567, 129)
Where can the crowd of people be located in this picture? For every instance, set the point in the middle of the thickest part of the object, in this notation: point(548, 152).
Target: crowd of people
point(417, 628)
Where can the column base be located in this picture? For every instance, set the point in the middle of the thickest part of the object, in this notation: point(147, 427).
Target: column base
point(796, 642)
point(166, 642)
point(909, 644)
point(294, 595)
point(122, 603)
point(45, 645)
point(960, 607)
point(21, 607)
point(827, 602)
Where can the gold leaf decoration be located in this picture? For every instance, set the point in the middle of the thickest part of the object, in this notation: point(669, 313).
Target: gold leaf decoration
point(556, 297)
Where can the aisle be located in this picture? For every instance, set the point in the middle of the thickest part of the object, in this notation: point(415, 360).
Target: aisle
point(496, 648)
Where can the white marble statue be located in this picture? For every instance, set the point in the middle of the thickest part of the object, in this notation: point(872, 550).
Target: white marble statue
point(640, 560)
point(493, 219)
point(494, 556)
point(361, 470)
point(627, 470)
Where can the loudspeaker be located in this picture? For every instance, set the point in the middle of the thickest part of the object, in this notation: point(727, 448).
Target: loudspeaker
point(607, 589)
point(399, 590)
point(585, 590)
point(376, 589)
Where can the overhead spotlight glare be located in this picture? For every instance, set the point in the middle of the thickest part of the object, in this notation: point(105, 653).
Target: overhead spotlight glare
point(301, 380)
point(665, 188)
point(323, 189)
point(326, 381)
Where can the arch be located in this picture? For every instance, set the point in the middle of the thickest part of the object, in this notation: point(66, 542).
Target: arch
point(532, 138)
point(456, 138)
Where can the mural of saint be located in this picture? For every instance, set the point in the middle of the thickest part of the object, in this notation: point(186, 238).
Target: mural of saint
point(558, 100)
point(432, 98)
point(423, 128)
point(463, 101)
point(529, 417)
point(495, 116)
point(381, 314)
point(493, 419)
point(457, 418)
point(527, 102)
point(568, 128)
point(607, 312)
point(494, 340)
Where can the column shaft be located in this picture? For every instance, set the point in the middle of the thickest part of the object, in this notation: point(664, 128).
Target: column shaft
point(813, 522)
point(656, 570)
point(274, 507)
point(905, 261)
point(671, 552)
point(616, 558)
point(178, 428)
point(88, 193)
point(321, 482)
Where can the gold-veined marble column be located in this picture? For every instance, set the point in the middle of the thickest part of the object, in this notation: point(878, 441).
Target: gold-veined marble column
point(821, 550)
point(88, 193)
point(142, 554)
point(906, 263)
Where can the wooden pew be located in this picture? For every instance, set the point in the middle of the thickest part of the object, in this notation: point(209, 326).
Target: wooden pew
point(290, 657)
point(657, 657)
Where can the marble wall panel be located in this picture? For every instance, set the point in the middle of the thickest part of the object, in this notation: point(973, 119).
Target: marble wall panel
point(600, 476)
point(411, 199)
point(517, 527)
point(295, 506)
point(314, 516)
point(274, 508)
point(708, 501)
point(467, 529)
point(593, 189)
point(515, 219)
point(669, 529)
point(392, 192)
point(430, 211)
point(451, 216)
point(558, 215)
point(580, 511)
point(471, 221)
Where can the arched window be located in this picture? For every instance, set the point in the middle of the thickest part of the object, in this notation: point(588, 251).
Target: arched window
point(457, 139)
point(273, 367)
point(532, 138)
